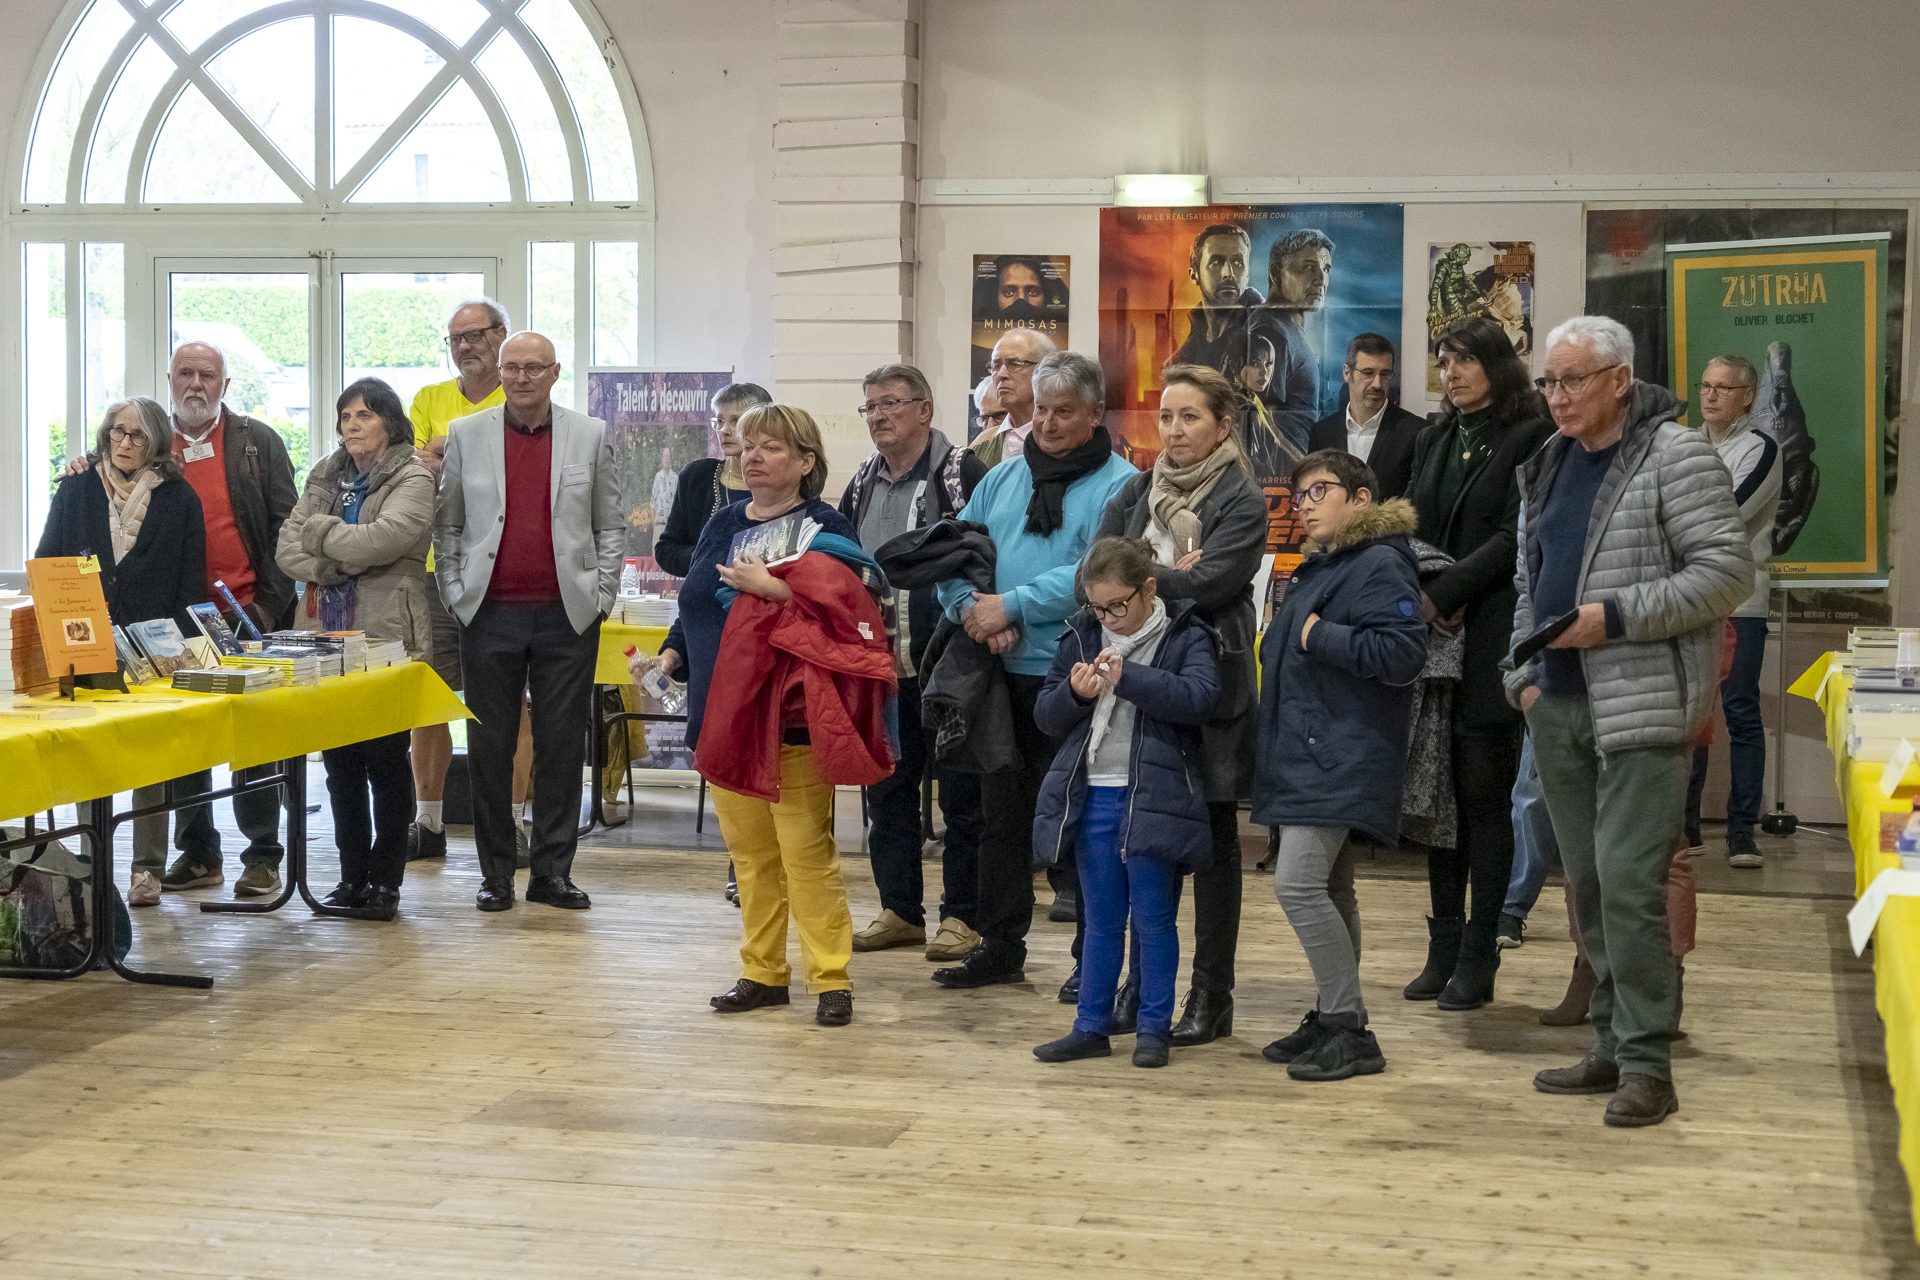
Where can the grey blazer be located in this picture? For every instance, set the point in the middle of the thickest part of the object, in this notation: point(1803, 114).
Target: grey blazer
point(589, 528)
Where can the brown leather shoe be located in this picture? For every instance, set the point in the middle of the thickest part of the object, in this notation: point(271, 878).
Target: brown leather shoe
point(748, 994)
point(1572, 1010)
point(836, 1009)
point(1592, 1074)
point(1640, 1101)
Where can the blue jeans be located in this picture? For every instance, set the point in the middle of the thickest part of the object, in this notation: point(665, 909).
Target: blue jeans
point(1746, 734)
point(1109, 888)
point(1535, 851)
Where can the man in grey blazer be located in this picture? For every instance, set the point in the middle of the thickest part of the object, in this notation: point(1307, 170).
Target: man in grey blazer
point(527, 538)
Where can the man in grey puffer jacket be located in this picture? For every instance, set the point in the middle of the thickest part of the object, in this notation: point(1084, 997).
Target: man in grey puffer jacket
point(1630, 520)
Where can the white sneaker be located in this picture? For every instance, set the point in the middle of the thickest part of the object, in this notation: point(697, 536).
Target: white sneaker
point(144, 891)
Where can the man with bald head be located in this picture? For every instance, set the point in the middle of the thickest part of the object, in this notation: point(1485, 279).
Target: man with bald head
point(1014, 359)
point(527, 539)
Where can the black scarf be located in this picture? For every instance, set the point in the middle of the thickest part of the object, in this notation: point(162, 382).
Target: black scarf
point(1046, 511)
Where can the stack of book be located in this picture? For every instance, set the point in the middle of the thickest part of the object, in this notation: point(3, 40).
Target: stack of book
point(385, 653)
point(23, 663)
point(325, 653)
point(226, 679)
point(292, 667)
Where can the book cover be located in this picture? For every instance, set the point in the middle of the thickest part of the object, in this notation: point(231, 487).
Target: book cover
point(160, 640)
point(75, 633)
point(776, 541)
point(132, 661)
point(214, 627)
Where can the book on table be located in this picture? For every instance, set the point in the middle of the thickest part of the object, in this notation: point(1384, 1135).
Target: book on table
point(160, 640)
point(70, 609)
point(214, 627)
point(132, 661)
point(227, 679)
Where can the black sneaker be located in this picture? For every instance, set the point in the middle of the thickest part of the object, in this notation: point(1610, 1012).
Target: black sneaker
point(1742, 852)
point(1512, 933)
point(1065, 908)
point(423, 843)
point(1342, 1052)
point(1694, 843)
point(977, 970)
point(1070, 989)
point(1073, 1047)
point(1302, 1040)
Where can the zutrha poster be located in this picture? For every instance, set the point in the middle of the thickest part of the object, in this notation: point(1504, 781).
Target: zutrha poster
point(1808, 316)
point(1269, 295)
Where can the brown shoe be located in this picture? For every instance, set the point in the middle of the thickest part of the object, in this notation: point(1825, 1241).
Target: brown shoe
point(1573, 1006)
point(1640, 1101)
point(1592, 1074)
point(748, 994)
point(836, 1009)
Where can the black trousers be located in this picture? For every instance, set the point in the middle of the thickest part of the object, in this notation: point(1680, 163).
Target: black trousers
point(1216, 907)
point(1007, 802)
point(893, 807)
point(371, 852)
point(507, 652)
point(1485, 765)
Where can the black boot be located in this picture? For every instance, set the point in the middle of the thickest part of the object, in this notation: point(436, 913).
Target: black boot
point(1443, 954)
point(1472, 982)
point(1126, 1007)
point(1208, 1016)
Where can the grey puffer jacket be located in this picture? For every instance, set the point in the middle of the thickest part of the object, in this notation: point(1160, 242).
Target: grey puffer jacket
point(390, 541)
point(1665, 543)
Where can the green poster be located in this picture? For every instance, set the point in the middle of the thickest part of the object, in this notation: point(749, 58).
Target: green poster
point(1809, 315)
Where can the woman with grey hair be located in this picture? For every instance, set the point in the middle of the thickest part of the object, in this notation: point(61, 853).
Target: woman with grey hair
point(134, 510)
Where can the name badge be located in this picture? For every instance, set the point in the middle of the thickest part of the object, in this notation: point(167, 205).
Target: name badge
point(575, 475)
point(198, 452)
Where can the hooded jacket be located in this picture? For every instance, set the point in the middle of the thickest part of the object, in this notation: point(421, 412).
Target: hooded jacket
point(1667, 554)
point(1334, 715)
point(1172, 697)
point(825, 647)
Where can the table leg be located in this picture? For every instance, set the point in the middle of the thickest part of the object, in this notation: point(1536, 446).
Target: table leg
point(293, 781)
point(103, 823)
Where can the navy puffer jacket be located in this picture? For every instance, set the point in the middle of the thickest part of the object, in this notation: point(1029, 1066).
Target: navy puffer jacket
point(1334, 716)
point(1172, 697)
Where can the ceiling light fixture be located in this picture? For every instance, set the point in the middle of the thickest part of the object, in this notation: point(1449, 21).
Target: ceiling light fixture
point(1160, 189)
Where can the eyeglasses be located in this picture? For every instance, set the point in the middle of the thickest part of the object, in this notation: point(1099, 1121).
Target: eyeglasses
point(1722, 389)
point(1314, 494)
point(887, 406)
point(514, 372)
point(118, 434)
point(1572, 383)
point(1009, 363)
point(472, 337)
point(1115, 611)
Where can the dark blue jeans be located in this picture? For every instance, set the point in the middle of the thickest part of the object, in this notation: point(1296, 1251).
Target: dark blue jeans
point(1109, 889)
point(1746, 734)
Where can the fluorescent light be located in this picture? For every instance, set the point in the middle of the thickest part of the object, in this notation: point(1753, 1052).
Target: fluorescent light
point(1160, 189)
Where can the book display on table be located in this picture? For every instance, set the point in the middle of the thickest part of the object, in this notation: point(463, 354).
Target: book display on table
point(132, 662)
point(214, 628)
point(227, 679)
point(25, 669)
point(160, 642)
point(70, 612)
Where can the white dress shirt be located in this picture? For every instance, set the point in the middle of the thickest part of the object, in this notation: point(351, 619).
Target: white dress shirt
point(1361, 435)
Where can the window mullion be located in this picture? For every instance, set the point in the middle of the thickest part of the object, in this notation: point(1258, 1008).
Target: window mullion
point(323, 191)
point(76, 353)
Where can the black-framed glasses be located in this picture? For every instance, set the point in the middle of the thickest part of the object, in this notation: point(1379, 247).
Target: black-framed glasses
point(1115, 611)
point(1721, 388)
point(1008, 362)
point(1572, 383)
point(472, 337)
point(1314, 494)
point(118, 434)
point(887, 406)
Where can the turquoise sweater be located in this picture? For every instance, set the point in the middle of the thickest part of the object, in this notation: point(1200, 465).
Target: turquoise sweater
point(1035, 574)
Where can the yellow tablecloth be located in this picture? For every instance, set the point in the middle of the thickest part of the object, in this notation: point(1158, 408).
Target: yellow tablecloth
point(1896, 939)
point(159, 732)
point(612, 665)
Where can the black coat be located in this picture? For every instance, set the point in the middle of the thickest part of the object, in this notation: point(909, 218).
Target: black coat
point(1172, 697)
point(965, 710)
point(164, 572)
point(1481, 533)
point(700, 495)
point(1335, 715)
point(1393, 445)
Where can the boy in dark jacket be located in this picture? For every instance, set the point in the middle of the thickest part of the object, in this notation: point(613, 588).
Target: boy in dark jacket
point(1133, 679)
point(1336, 700)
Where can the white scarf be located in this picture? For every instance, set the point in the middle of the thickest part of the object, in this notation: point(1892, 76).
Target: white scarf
point(126, 504)
point(1146, 638)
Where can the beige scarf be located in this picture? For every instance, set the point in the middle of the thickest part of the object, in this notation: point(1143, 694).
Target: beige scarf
point(1178, 492)
point(126, 504)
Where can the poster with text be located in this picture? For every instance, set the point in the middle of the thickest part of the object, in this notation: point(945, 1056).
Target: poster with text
point(657, 422)
point(1269, 295)
point(1808, 316)
point(1492, 278)
point(1015, 291)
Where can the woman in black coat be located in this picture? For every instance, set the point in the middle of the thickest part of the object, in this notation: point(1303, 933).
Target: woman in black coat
point(134, 509)
point(707, 484)
point(1469, 506)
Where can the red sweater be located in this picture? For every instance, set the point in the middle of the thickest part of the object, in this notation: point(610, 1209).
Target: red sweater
point(827, 645)
point(523, 569)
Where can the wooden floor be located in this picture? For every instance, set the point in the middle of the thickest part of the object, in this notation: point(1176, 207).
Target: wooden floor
point(547, 1094)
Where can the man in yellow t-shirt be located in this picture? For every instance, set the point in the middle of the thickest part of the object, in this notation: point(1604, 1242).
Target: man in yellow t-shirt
point(475, 334)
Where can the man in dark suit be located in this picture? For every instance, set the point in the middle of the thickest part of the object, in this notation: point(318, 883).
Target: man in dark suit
point(1371, 427)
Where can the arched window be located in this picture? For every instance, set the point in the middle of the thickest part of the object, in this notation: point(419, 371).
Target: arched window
point(331, 172)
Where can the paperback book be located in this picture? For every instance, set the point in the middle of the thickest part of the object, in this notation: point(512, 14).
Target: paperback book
point(776, 541)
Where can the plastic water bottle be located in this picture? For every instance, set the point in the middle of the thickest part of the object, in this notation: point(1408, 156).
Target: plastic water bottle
point(670, 694)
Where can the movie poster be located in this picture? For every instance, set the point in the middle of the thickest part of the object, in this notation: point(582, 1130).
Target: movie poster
point(1015, 291)
point(657, 421)
point(1627, 279)
point(1270, 295)
point(1492, 278)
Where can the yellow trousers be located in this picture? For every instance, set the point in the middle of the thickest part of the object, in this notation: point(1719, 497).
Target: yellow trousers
point(785, 860)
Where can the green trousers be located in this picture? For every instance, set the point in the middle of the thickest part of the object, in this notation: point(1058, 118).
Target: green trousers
point(1616, 818)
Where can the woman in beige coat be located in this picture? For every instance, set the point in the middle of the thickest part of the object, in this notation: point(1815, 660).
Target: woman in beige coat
point(358, 538)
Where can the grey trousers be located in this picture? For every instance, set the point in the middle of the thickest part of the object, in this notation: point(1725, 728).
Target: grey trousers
point(1616, 820)
point(1313, 880)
